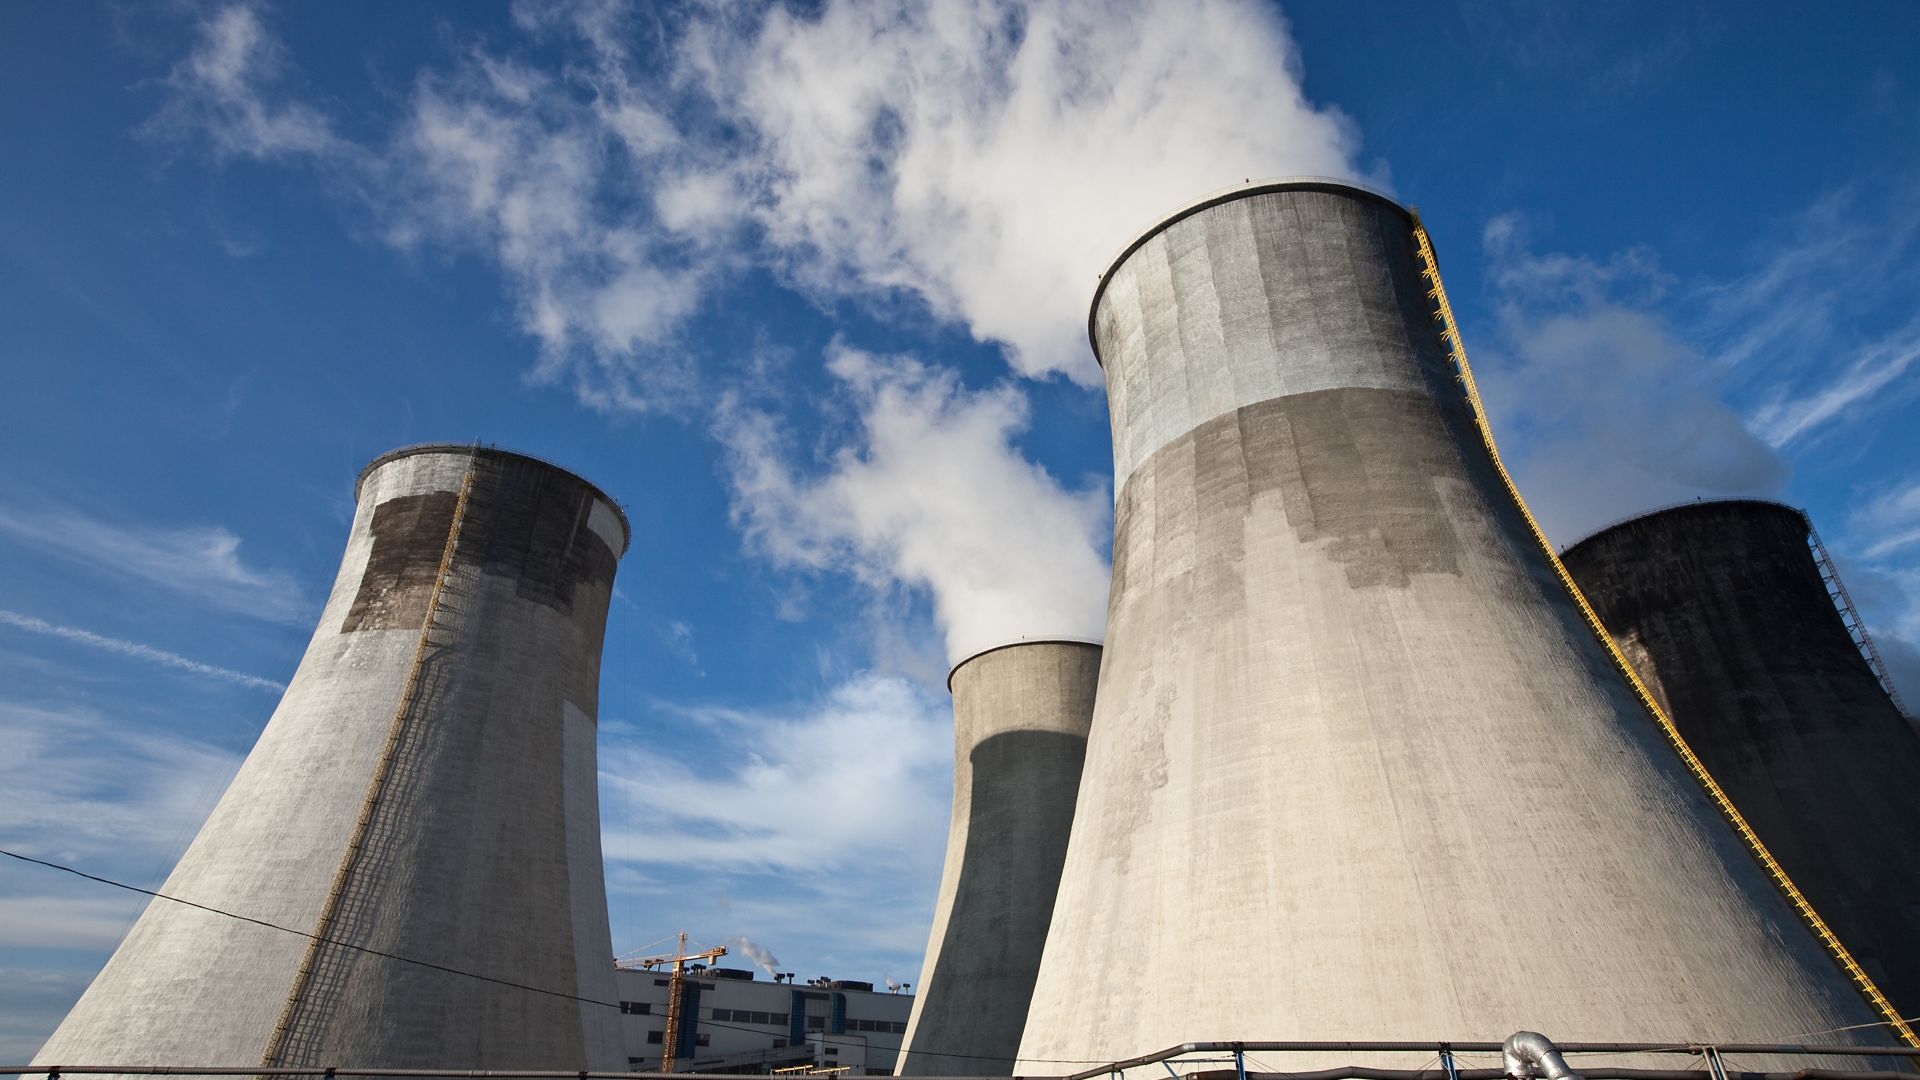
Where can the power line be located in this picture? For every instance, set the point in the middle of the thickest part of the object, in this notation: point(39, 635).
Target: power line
point(461, 972)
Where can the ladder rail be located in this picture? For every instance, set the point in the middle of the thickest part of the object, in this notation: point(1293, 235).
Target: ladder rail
point(376, 785)
point(1450, 337)
point(1850, 618)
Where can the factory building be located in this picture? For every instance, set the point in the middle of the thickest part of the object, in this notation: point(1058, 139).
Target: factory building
point(1359, 767)
point(732, 1022)
point(426, 789)
point(1020, 716)
point(1729, 613)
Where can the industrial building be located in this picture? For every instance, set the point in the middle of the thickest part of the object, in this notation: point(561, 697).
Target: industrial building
point(1359, 767)
point(426, 789)
point(1020, 716)
point(1737, 621)
point(731, 1022)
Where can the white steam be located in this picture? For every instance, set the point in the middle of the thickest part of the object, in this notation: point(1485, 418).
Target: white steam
point(932, 493)
point(984, 158)
point(759, 954)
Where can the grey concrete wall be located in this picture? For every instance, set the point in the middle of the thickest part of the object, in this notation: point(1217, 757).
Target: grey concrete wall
point(483, 853)
point(1020, 716)
point(1721, 608)
point(1358, 769)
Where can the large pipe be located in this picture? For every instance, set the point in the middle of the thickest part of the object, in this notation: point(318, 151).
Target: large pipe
point(1020, 715)
point(426, 788)
point(1358, 765)
point(1722, 609)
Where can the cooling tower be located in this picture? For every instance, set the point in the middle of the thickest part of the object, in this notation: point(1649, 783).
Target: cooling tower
point(1722, 608)
point(1359, 769)
point(426, 789)
point(1020, 715)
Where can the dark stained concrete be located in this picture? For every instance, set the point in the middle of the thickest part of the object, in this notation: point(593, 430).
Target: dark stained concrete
point(1721, 608)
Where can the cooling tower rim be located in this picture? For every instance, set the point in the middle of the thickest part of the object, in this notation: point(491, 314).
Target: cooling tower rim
point(1226, 195)
point(1014, 644)
point(1672, 508)
point(414, 449)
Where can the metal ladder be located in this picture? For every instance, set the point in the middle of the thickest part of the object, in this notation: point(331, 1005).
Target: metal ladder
point(302, 1018)
point(1850, 617)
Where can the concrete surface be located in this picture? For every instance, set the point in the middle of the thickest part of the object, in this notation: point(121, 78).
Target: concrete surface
point(1721, 608)
point(1020, 715)
point(483, 853)
point(1358, 769)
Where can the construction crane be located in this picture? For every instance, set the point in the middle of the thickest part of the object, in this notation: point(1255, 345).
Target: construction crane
point(676, 982)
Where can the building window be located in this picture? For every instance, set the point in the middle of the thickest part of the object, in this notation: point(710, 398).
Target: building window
point(816, 1023)
point(660, 982)
point(899, 1027)
point(636, 1008)
point(723, 1014)
point(779, 1043)
point(777, 1018)
point(656, 1037)
point(702, 1040)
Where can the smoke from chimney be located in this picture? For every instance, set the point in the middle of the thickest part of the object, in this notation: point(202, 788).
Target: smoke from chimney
point(763, 959)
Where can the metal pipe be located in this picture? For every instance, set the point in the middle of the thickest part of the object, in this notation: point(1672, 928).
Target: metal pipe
point(1677, 1046)
point(1529, 1054)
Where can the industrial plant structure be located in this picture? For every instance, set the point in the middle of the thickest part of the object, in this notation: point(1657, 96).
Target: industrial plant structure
point(1020, 716)
point(1729, 615)
point(1359, 766)
point(426, 790)
point(731, 1022)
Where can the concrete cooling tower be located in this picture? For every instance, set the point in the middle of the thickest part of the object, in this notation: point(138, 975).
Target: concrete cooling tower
point(1020, 715)
point(426, 789)
point(1359, 767)
point(1723, 609)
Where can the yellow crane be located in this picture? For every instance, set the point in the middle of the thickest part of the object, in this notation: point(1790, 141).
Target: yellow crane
point(676, 982)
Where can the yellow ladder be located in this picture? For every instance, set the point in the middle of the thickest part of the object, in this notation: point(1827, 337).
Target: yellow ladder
point(1450, 335)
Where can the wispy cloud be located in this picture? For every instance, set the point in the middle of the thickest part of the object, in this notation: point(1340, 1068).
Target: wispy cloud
point(136, 650)
point(932, 493)
point(1862, 381)
point(780, 824)
point(103, 788)
point(1605, 407)
point(202, 563)
point(977, 158)
point(1889, 521)
point(229, 89)
point(1798, 334)
point(780, 795)
point(122, 797)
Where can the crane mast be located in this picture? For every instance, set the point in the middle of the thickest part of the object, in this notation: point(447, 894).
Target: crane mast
point(676, 986)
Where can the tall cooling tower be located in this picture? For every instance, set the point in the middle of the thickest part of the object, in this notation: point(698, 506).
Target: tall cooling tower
point(1020, 715)
point(1722, 608)
point(1359, 769)
point(426, 789)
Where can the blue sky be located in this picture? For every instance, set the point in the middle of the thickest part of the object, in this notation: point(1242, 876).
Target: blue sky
point(805, 289)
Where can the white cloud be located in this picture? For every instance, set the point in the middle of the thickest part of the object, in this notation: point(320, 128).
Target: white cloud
point(1889, 521)
point(134, 649)
point(200, 562)
point(856, 783)
point(987, 159)
point(934, 494)
point(32, 1001)
point(991, 158)
point(1861, 383)
point(227, 88)
point(1602, 407)
point(820, 828)
point(103, 789)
